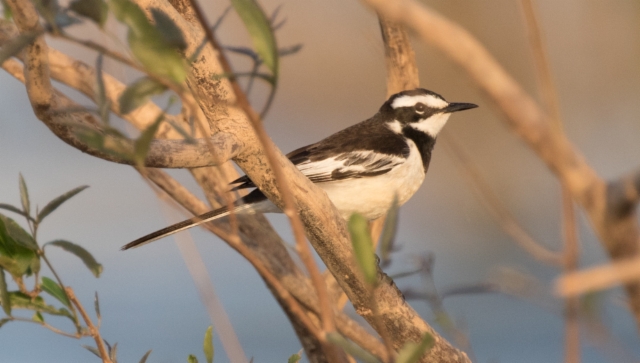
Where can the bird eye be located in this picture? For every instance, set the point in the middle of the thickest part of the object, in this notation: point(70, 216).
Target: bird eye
point(420, 107)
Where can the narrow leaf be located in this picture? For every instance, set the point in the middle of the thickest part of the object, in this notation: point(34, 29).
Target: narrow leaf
point(169, 31)
point(412, 352)
point(4, 294)
point(147, 43)
point(23, 301)
point(81, 253)
point(352, 348)
point(192, 359)
point(259, 29)
point(144, 141)
point(389, 230)
point(13, 209)
point(7, 16)
point(363, 247)
point(96, 10)
point(54, 204)
point(295, 358)
point(92, 350)
point(18, 234)
point(17, 44)
point(144, 357)
point(4, 321)
point(96, 305)
point(15, 258)
point(24, 196)
point(37, 317)
point(138, 93)
point(103, 103)
point(207, 346)
point(52, 288)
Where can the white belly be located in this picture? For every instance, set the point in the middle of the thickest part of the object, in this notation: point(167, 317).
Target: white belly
point(372, 197)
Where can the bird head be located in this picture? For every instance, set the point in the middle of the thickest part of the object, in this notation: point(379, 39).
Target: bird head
point(421, 109)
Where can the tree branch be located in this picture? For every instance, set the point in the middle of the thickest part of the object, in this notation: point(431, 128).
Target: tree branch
point(324, 226)
point(620, 235)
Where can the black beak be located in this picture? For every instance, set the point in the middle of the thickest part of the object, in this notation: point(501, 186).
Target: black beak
point(455, 107)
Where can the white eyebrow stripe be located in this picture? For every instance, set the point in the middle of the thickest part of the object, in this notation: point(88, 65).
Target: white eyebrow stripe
point(410, 101)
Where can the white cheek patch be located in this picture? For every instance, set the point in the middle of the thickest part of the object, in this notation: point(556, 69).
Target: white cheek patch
point(410, 101)
point(431, 125)
point(395, 126)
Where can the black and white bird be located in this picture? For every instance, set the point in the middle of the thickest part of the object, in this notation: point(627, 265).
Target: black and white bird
point(361, 168)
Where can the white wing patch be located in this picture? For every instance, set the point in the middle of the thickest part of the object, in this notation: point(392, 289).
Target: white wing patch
point(352, 165)
point(429, 100)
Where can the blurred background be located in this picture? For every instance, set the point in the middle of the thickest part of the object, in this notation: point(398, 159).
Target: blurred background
point(148, 299)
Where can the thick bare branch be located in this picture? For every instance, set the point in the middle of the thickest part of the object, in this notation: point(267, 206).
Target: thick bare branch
point(324, 226)
point(619, 234)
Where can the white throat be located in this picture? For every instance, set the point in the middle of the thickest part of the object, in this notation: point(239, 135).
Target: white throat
point(432, 125)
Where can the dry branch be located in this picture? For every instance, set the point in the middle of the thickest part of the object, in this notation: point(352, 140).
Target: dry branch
point(324, 226)
point(619, 233)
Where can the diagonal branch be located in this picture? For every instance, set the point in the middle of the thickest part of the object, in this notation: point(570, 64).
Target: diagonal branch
point(619, 233)
point(324, 226)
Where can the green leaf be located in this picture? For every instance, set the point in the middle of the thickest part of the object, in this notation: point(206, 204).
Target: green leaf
point(17, 259)
point(23, 301)
point(363, 247)
point(4, 294)
point(389, 230)
point(54, 204)
point(144, 141)
point(4, 321)
point(92, 350)
point(259, 29)
point(7, 16)
point(81, 253)
point(147, 43)
point(207, 346)
point(96, 305)
point(24, 196)
point(169, 31)
point(138, 93)
point(18, 234)
point(352, 348)
point(37, 317)
point(412, 352)
point(96, 10)
point(17, 44)
point(144, 357)
point(13, 209)
point(192, 359)
point(52, 288)
point(295, 358)
point(104, 105)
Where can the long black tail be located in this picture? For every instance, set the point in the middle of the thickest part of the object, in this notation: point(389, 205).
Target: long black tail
point(242, 204)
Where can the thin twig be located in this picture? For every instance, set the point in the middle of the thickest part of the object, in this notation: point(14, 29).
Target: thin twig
point(45, 325)
point(570, 234)
point(95, 333)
